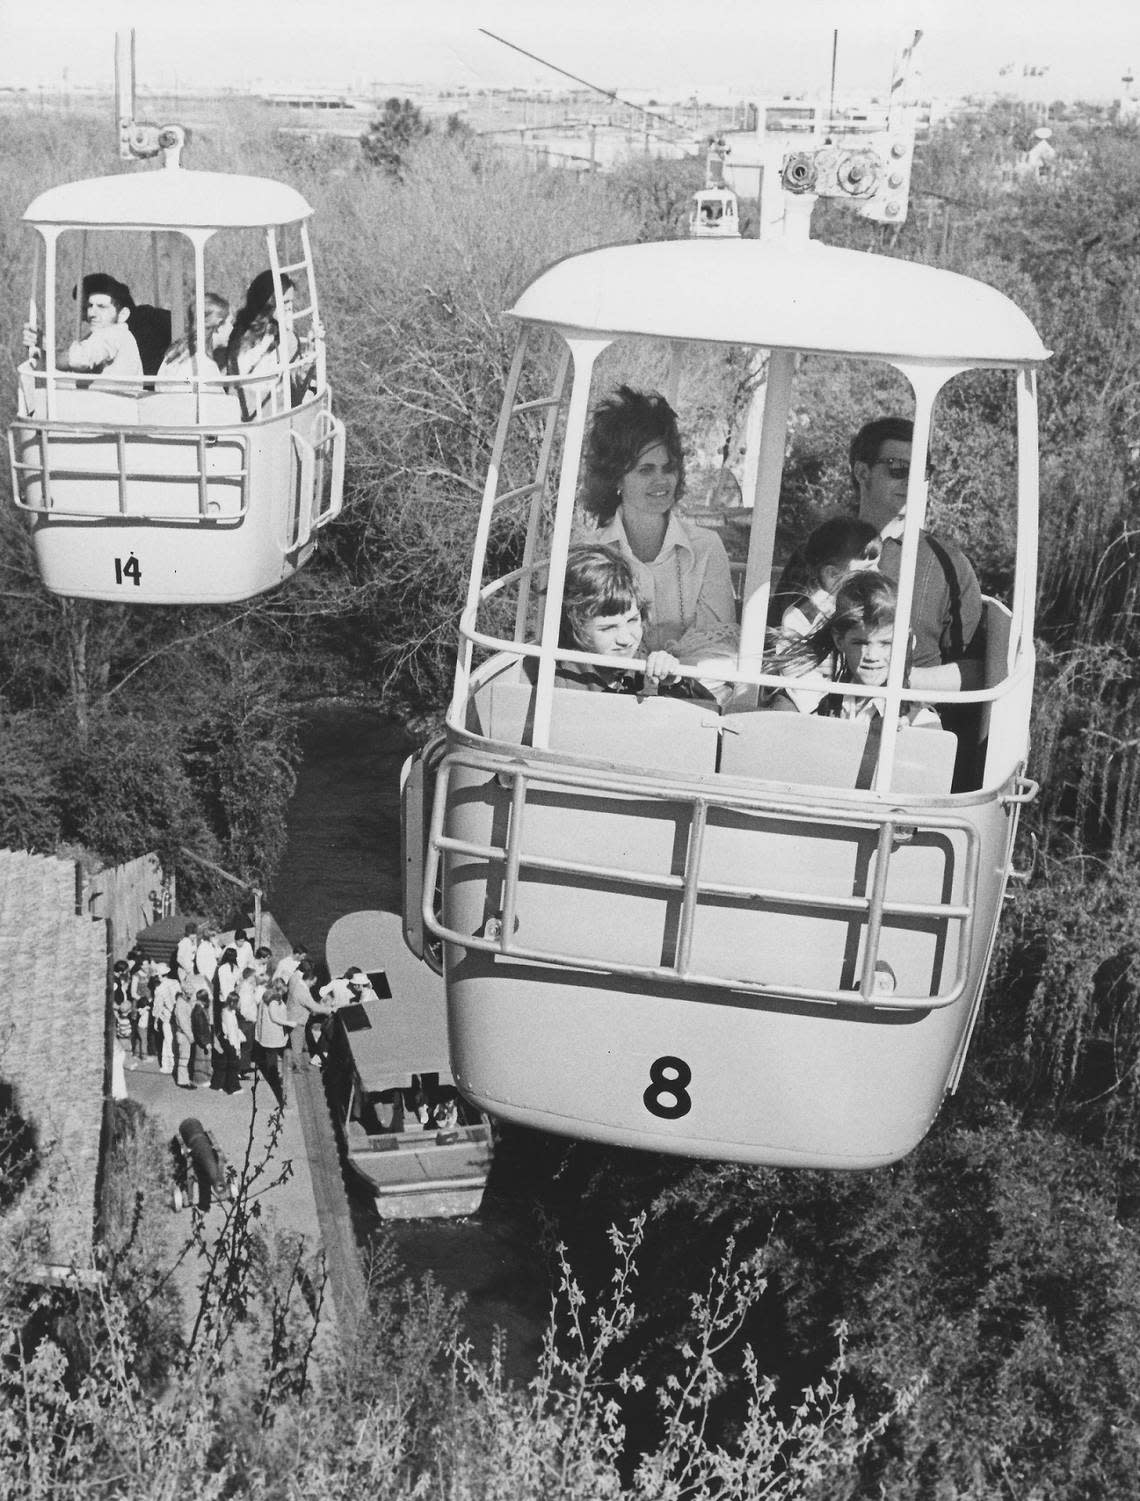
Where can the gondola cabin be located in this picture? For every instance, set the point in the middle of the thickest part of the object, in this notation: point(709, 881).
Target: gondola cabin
point(186, 485)
point(703, 926)
point(714, 215)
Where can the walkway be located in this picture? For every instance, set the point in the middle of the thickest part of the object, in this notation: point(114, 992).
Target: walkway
point(311, 1201)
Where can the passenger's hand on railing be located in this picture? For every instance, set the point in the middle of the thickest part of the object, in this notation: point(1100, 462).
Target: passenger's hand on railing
point(31, 340)
point(661, 669)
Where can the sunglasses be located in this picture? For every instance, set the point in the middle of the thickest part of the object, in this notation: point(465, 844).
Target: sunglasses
point(900, 468)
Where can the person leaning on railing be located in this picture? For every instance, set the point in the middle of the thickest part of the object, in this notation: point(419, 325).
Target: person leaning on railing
point(108, 348)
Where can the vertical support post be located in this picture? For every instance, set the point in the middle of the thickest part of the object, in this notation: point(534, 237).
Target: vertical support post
point(1028, 459)
point(522, 610)
point(584, 353)
point(80, 300)
point(51, 341)
point(315, 312)
point(764, 496)
point(281, 384)
point(926, 386)
point(469, 618)
point(199, 332)
point(124, 90)
point(673, 381)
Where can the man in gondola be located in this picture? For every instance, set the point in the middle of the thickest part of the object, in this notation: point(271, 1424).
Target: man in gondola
point(946, 611)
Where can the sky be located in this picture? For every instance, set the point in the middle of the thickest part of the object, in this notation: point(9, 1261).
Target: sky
point(716, 48)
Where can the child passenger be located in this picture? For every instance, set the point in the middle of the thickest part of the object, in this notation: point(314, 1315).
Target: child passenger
point(182, 356)
point(603, 613)
point(856, 645)
point(837, 547)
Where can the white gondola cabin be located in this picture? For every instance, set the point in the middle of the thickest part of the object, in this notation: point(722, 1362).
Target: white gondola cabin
point(714, 215)
point(196, 486)
point(704, 928)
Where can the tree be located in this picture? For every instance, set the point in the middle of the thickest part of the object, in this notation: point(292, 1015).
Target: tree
point(388, 140)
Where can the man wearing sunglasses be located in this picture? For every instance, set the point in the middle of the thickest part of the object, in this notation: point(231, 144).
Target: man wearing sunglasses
point(946, 615)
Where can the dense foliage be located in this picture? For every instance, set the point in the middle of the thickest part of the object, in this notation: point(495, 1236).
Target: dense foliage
point(989, 1286)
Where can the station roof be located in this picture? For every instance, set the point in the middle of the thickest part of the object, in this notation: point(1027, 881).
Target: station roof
point(170, 198)
point(783, 295)
point(402, 1035)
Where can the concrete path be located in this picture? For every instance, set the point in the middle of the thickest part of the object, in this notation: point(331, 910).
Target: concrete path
point(311, 1199)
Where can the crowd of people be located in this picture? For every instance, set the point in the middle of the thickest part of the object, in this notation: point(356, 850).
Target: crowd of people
point(647, 582)
point(221, 1010)
point(119, 341)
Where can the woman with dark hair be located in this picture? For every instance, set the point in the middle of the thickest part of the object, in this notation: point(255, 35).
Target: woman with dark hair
point(254, 347)
point(634, 476)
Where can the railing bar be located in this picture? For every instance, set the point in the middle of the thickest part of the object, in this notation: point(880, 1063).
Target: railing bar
point(202, 496)
point(772, 680)
point(553, 775)
point(537, 404)
point(121, 454)
point(153, 476)
point(124, 439)
point(679, 973)
point(229, 435)
point(48, 476)
point(666, 883)
point(514, 852)
point(875, 911)
point(518, 493)
point(692, 875)
point(767, 988)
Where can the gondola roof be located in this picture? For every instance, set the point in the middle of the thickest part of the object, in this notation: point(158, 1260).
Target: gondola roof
point(783, 295)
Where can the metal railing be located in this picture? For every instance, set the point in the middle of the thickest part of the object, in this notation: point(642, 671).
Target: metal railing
point(892, 826)
point(53, 444)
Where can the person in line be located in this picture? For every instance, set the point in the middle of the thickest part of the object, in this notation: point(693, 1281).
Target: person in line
point(207, 956)
point(165, 990)
point(634, 477)
point(305, 1010)
point(228, 974)
point(243, 949)
point(250, 989)
point(201, 1058)
point(108, 348)
point(182, 1016)
point(858, 640)
point(181, 359)
point(140, 995)
point(184, 954)
point(603, 612)
point(124, 1008)
point(288, 964)
point(231, 1040)
point(272, 1037)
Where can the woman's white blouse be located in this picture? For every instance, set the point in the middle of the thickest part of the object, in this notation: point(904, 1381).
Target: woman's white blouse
point(687, 585)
